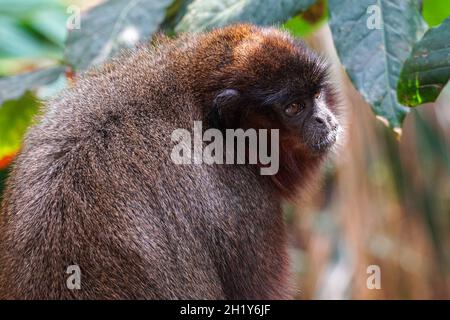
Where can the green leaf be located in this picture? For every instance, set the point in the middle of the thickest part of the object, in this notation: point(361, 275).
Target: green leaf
point(308, 21)
point(22, 8)
point(14, 87)
point(111, 26)
point(299, 27)
point(373, 57)
point(17, 42)
point(32, 28)
point(15, 117)
point(51, 23)
point(18, 105)
point(206, 14)
point(3, 176)
point(435, 11)
point(427, 70)
point(175, 12)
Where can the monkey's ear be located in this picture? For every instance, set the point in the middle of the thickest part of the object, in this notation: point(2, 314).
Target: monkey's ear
point(224, 111)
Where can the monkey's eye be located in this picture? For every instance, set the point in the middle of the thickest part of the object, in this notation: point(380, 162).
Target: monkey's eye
point(317, 95)
point(293, 109)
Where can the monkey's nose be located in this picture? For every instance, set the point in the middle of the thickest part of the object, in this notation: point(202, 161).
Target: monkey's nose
point(325, 123)
point(320, 121)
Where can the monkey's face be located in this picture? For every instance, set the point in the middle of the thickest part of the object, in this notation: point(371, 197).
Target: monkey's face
point(308, 121)
point(277, 82)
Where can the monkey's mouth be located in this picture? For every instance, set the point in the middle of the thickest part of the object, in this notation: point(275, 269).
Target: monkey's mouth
point(324, 143)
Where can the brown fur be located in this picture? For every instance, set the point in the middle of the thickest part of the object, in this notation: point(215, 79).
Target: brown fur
point(95, 186)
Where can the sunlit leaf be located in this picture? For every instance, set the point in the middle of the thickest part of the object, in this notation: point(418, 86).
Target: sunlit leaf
point(427, 70)
point(308, 21)
point(6, 160)
point(435, 11)
point(15, 117)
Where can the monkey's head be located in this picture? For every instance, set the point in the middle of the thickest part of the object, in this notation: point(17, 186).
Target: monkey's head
point(261, 78)
point(267, 79)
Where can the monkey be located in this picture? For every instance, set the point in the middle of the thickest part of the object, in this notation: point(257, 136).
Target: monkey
point(94, 185)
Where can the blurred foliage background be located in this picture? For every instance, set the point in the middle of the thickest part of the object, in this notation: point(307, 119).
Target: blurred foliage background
point(385, 200)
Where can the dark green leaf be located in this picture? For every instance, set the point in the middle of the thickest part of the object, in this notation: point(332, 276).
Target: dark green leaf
point(373, 57)
point(206, 14)
point(14, 87)
point(175, 12)
point(427, 69)
point(3, 176)
point(113, 25)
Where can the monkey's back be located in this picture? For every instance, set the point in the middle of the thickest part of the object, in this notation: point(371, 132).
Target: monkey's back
point(94, 186)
